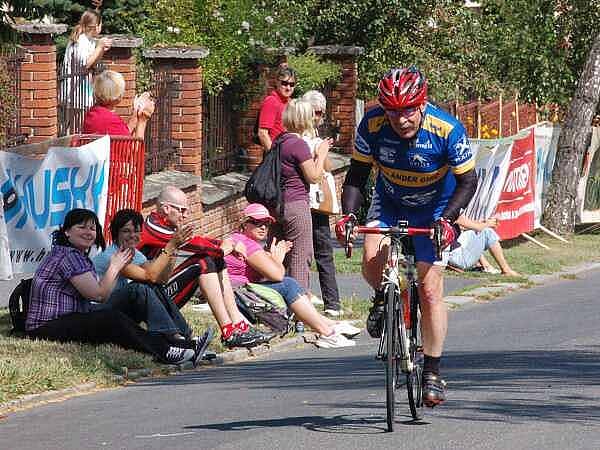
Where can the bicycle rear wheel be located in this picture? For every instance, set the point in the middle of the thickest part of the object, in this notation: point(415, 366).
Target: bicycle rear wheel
point(414, 378)
point(391, 360)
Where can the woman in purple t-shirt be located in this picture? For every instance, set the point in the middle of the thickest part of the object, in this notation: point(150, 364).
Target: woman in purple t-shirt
point(299, 169)
point(250, 263)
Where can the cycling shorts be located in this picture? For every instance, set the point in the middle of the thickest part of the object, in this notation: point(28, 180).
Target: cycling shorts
point(183, 282)
point(383, 212)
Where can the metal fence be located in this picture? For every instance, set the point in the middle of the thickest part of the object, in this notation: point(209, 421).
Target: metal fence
point(219, 146)
point(160, 151)
point(75, 92)
point(11, 59)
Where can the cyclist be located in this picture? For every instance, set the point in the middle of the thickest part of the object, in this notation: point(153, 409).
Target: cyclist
point(425, 174)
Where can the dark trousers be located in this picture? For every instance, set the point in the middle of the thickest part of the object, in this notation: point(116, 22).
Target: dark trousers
point(145, 303)
point(323, 251)
point(106, 326)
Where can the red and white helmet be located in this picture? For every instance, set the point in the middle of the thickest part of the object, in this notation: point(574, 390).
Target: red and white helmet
point(402, 88)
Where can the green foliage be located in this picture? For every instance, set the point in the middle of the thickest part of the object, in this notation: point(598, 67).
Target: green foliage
point(313, 72)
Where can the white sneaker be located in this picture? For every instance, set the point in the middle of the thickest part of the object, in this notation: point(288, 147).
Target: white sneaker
point(333, 312)
point(346, 329)
point(178, 355)
point(315, 300)
point(335, 340)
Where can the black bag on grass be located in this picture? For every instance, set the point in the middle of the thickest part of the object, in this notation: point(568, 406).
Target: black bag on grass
point(260, 310)
point(18, 305)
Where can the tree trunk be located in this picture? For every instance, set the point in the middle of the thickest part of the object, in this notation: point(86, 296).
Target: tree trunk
point(561, 202)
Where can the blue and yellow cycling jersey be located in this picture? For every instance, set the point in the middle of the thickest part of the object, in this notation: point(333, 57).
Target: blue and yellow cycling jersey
point(416, 175)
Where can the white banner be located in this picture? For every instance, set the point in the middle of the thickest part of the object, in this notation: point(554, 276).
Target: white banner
point(546, 143)
point(492, 160)
point(39, 192)
point(6, 272)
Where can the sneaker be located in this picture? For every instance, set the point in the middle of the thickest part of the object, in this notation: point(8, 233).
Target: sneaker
point(376, 313)
point(315, 300)
point(434, 389)
point(346, 329)
point(261, 336)
point(237, 339)
point(178, 355)
point(335, 340)
point(335, 313)
point(202, 343)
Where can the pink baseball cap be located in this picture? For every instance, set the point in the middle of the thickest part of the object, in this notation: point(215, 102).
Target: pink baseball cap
point(258, 212)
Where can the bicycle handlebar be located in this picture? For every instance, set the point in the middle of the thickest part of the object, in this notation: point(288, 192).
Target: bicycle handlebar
point(388, 231)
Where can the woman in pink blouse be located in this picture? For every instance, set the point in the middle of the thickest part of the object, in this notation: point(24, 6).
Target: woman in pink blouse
point(250, 263)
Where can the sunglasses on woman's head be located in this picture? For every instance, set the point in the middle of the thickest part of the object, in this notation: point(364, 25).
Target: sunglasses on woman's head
point(287, 83)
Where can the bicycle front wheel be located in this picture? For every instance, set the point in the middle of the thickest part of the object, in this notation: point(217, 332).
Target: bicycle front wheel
point(391, 360)
point(414, 378)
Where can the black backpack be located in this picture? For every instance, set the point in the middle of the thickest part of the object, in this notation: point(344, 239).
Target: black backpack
point(260, 310)
point(18, 305)
point(264, 185)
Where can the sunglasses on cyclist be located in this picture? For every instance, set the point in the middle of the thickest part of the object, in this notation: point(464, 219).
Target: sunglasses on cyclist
point(404, 112)
point(259, 222)
point(287, 83)
point(180, 209)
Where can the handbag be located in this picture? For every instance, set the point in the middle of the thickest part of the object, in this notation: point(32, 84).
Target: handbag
point(323, 196)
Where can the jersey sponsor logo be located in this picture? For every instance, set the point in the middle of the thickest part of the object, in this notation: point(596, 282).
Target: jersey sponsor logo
point(463, 149)
point(375, 123)
point(387, 155)
point(407, 178)
point(419, 198)
point(437, 126)
point(424, 145)
point(418, 160)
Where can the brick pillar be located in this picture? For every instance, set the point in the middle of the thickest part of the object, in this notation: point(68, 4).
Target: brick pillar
point(182, 63)
point(341, 103)
point(120, 59)
point(38, 90)
point(264, 84)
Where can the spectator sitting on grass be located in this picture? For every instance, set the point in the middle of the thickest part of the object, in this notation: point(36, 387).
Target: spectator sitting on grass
point(136, 293)
point(477, 238)
point(251, 263)
point(202, 267)
point(65, 287)
point(109, 87)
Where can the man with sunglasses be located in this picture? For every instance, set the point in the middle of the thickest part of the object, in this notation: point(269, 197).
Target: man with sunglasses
point(203, 266)
point(425, 174)
point(270, 124)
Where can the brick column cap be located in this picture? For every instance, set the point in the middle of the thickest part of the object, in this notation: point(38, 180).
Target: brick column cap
point(337, 50)
point(280, 51)
point(124, 40)
point(177, 53)
point(41, 28)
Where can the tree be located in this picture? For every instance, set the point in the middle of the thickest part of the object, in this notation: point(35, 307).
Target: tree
point(560, 208)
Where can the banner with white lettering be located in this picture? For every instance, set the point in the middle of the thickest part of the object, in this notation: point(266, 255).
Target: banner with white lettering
point(516, 206)
point(39, 192)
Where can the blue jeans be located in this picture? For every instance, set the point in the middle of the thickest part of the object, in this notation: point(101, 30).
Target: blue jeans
point(288, 288)
point(472, 246)
point(140, 302)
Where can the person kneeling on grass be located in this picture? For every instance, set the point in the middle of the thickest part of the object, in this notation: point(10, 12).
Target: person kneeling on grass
point(252, 264)
point(478, 237)
point(65, 287)
point(138, 291)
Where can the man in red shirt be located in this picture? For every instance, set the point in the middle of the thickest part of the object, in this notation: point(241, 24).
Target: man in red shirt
point(203, 267)
point(269, 119)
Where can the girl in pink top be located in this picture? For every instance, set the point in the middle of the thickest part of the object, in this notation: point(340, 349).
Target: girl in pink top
point(251, 263)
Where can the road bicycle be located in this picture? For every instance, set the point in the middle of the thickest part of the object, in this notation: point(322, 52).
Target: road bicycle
point(400, 344)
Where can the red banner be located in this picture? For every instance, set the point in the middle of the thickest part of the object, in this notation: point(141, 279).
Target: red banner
point(516, 206)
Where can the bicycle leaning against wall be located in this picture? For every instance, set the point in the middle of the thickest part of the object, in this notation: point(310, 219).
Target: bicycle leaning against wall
point(400, 343)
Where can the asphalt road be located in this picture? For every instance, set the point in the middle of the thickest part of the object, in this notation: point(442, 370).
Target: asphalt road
point(523, 373)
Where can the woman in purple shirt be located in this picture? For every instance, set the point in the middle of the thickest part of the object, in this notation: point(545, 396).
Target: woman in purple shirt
point(299, 169)
point(65, 285)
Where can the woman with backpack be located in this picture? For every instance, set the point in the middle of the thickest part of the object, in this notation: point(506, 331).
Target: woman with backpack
point(250, 263)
